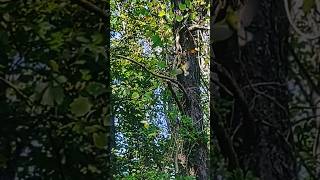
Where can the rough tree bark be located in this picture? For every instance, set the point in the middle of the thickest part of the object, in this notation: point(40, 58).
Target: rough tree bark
point(255, 135)
point(197, 160)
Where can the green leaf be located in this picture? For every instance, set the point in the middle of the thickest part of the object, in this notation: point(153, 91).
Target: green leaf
point(85, 74)
point(96, 89)
point(3, 161)
point(135, 95)
point(156, 40)
point(188, 3)
point(93, 169)
point(47, 98)
point(308, 5)
point(93, 128)
point(162, 13)
point(144, 12)
point(148, 95)
point(4, 39)
point(193, 15)
point(169, 16)
point(153, 134)
point(162, 64)
point(58, 94)
point(62, 79)
point(182, 6)
point(97, 38)
point(80, 62)
point(99, 140)
point(82, 39)
point(179, 18)
point(145, 124)
point(54, 65)
point(80, 106)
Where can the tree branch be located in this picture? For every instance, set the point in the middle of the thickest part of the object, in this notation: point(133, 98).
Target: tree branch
point(167, 78)
point(29, 102)
point(92, 8)
point(198, 27)
point(176, 98)
point(304, 71)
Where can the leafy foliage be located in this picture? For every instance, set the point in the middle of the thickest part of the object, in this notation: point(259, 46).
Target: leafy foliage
point(145, 112)
point(54, 91)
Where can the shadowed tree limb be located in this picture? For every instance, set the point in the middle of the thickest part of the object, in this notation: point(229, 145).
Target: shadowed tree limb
point(92, 8)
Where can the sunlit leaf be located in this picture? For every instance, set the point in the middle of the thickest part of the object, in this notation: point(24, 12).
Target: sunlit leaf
point(179, 18)
point(188, 3)
point(145, 124)
point(162, 13)
point(135, 95)
point(182, 6)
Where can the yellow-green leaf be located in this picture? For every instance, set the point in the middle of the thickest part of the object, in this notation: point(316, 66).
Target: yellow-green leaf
point(145, 124)
point(135, 95)
point(54, 65)
point(162, 13)
point(308, 5)
point(179, 18)
point(182, 6)
point(99, 140)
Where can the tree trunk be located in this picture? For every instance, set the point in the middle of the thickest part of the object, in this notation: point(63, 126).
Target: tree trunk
point(198, 157)
point(255, 73)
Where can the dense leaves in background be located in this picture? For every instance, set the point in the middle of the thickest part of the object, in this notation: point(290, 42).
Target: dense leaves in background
point(54, 90)
point(304, 85)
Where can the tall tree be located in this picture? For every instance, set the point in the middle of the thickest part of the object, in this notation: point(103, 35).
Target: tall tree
point(251, 64)
point(185, 46)
point(151, 107)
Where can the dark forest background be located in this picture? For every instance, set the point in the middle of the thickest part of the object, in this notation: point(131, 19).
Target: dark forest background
point(159, 89)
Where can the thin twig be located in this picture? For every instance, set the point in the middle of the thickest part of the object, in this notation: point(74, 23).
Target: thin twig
point(91, 7)
point(198, 27)
point(174, 94)
point(8, 83)
point(304, 71)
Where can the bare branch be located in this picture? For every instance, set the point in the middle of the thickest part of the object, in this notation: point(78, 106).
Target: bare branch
point(174, 94)
point(197, 27)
